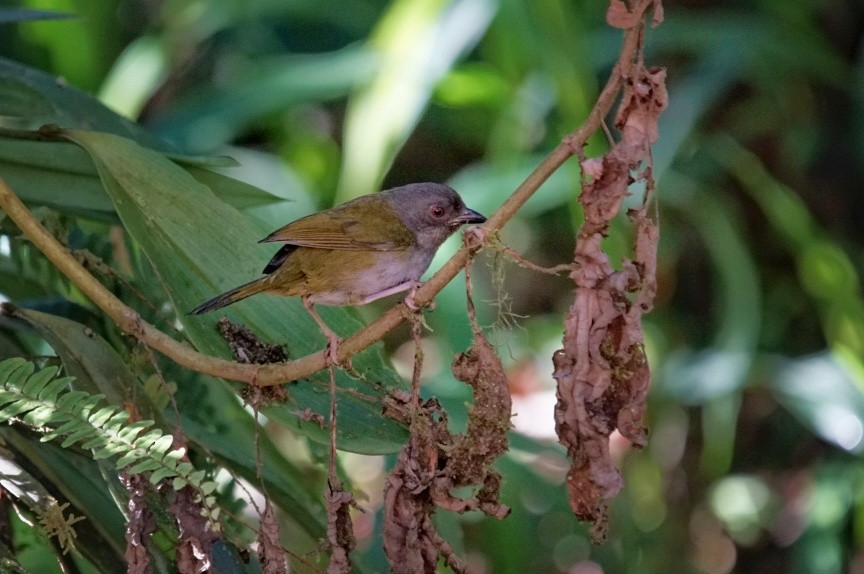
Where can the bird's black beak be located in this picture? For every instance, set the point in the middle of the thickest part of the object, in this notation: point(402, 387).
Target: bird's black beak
point(467, 216)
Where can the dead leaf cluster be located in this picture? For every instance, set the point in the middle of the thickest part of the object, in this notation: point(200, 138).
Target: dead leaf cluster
point(601, 371)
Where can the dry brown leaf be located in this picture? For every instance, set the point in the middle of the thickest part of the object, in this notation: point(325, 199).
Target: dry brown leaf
point(488, 419)
point(340, 531)
point(140, 526)
point(270, 551)
point(602, 371)
point(435, 462)
point(194, 546)
point(618, 15)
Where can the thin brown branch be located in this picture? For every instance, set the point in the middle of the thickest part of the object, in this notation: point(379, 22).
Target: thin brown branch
point(275, 374)
point(522, 262)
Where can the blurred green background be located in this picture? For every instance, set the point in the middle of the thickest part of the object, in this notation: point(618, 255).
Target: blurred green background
point(757, 338)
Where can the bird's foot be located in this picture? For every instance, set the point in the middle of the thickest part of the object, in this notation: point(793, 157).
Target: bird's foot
point(333, 341)
point(412, 304)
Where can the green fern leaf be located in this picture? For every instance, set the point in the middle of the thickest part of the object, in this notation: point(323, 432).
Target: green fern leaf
point(42, 400)
point(100, 417)
point(129, 432)
point(38, 381)
point(70, 400)
point(19, 375)
point(15, 409)
point(161, 446)
point(145, 441)
point(8, 366)
point(97, 441)
point(128, 458)
point(52, 390)
point(66, 428)
point(80, 434)
point(145, 465)
point(160, 474)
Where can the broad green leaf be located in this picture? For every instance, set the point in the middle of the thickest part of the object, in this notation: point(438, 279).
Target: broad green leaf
point(9, 15)
point(201, 246)
point(418, 42)
point(62, 175)
point(214, 116)
point(35, 98)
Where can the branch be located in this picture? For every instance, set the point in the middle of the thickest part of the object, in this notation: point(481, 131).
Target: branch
point(279, 373)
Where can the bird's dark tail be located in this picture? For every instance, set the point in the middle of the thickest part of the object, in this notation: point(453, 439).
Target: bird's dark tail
point(231, 296)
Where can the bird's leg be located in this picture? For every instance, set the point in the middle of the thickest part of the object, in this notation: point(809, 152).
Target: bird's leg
point(410, 286)
point(333, 339)
point(390, 291)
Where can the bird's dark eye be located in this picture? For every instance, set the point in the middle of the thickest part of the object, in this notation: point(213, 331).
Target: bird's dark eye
point(437, 211)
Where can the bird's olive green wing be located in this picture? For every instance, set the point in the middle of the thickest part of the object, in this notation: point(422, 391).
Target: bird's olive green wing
point(360, 225)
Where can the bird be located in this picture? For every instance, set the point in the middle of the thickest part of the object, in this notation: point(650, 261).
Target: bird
point(357, 252)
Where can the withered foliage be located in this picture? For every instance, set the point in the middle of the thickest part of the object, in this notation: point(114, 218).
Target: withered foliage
point(338, 501)
point(340, 530)
point(194, 546)
point(435, 461)
point(602, 371)
point(270, 551)
point(140, 526)
point(247, 348)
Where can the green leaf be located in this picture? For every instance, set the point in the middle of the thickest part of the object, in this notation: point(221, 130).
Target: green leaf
point(161, 445)
point(224, 429)
point(76, 436)
point(145, 465)
point(9, 15)
point(37, 382)
point(200, 246)
point(215, 115)
point(37, 98)
point(161, 474)
point(418, 42)
point(61, 175)
point(128, 458)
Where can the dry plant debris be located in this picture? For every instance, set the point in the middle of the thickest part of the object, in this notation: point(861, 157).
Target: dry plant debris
point(340, 529)
point(247, 348)
point(140, 526)
point(270, 551)
point(602, 371)
point(435, 461)
point(194, 547)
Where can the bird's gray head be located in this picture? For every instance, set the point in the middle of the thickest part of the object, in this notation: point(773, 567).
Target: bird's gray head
point(432, 211)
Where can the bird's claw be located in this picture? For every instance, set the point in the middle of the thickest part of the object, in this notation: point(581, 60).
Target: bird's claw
point(413, 305)
point(333, 349)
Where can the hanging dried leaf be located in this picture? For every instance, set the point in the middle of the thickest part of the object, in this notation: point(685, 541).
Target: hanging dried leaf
point(270, 551)
point(602, 371)
point(435, 462)
point(618, 15)
point(194, 547)
point(340, 531)
point(140, 526)
point(408, 507)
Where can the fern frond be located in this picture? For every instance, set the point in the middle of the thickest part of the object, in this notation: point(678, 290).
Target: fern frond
point(42, 401)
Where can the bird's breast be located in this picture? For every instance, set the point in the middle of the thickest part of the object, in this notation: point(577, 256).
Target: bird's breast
point(355, 275)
